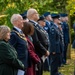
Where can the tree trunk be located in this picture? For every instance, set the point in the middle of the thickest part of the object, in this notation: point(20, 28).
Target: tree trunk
point(69, 46)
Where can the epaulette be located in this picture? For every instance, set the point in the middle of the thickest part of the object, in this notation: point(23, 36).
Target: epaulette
point(22, 36)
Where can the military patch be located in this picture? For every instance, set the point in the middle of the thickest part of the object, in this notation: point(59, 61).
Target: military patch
point(52, 30)
point(46, 28)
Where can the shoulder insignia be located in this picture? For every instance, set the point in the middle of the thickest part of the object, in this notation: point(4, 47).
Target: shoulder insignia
point(46, 28)
point(52, 29)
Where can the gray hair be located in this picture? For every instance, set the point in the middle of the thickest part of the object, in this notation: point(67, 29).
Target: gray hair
point(3, 31)
point(30, 12)
point(15, 17)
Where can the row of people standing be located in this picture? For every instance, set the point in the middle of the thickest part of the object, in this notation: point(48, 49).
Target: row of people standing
point(22, 60)
point(58, 31)
point(24, 46)
point(39, 39)
point(27, 54)
point(33, 44)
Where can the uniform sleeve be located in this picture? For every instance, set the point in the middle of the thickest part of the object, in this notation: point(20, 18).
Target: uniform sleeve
point(66, 33)
point(7, 57)
point(53, 40)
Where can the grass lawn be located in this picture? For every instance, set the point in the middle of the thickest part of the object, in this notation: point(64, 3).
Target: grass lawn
point(67, 69)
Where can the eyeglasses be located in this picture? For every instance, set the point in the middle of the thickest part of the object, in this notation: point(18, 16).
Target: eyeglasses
point(36, 13)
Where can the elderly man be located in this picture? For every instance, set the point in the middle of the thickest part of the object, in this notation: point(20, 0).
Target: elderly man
point(18, 40)
point(38, 38)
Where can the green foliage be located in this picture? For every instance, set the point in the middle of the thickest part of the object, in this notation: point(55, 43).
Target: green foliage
point(71, 6)
point(9, 7)
point(9, 11)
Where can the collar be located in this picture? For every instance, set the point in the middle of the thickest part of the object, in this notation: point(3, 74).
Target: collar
point(48, 21)
point(17, 28)
point(56, 25)
point(34, 22)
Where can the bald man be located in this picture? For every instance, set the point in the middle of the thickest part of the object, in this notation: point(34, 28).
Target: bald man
point(38, 38)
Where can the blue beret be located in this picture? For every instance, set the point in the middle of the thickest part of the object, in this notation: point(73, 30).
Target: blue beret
point(54, 15)
point(41, 18)
point(46, 14)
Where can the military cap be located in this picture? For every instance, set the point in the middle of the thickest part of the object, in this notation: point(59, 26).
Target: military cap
point(63, 15)
point(54, 15)
point(46, 14)
point(24, 15)
point(41, 18)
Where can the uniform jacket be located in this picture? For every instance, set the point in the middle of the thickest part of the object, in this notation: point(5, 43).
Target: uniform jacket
point(65, 28)
point(20, 45)
point(47, 27)
point(9, 64)
point(55, 39)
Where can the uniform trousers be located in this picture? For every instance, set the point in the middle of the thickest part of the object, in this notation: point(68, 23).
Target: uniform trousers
point(55, 63)
point(65, 53)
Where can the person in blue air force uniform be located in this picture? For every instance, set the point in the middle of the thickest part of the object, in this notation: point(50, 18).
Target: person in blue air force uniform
point(48, 20)
point(18, 40)
point(55, 48)
point(9, 63)
point(65, 28)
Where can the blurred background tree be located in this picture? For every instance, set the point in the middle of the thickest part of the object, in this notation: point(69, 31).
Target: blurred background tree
point(8, 7)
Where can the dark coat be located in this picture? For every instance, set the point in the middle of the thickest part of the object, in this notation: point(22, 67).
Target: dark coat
point(55, 47)
point(65, 28)
point(9, 63)
point(39, 40)
point(20, 45)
